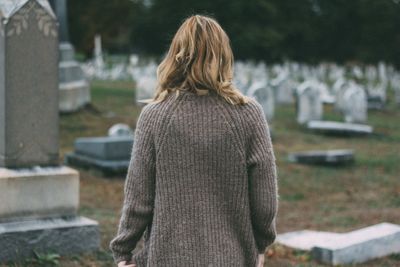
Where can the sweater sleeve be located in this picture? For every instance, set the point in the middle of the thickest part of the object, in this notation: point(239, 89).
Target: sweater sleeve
point(262, 175)
point(139, 190)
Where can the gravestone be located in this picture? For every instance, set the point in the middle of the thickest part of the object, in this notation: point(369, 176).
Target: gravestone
point(323, 157)
point(339, 128)
point(98, 53)
point(357, 246)
point(74, 89)
point(395, 84)
point(109, 155)
point(326, 96)
point(283, 87)
point(265, 96)
point(25, 73)
point(339, 88)
point(146, 86)
point(39, 199)
point(120, 129)
point(355, 105)
point(309, 103)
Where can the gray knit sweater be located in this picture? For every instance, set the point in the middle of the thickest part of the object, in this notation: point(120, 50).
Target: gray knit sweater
point(201, 186)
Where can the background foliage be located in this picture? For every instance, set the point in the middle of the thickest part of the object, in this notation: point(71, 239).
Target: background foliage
point(273, 30)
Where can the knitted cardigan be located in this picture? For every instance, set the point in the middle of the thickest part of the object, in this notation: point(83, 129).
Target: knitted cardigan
point(201, 186)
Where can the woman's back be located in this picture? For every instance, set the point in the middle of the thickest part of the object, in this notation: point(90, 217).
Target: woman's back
point(201, 152)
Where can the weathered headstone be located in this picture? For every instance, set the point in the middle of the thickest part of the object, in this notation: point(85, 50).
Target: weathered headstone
point(74, 90)
point(108, 155)
point(309, 103)
point(355, 106)
point(265, 96)
point(323, 157)
point(119, 130)
point(339, 88)
point(395, 84)
point(346, 248)
point(98, 53)
point(39, 199)
point(146, 86)
point(27, 70)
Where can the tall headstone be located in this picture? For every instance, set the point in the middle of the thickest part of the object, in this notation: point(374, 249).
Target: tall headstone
point(98, 54)
point(38, 198)
point(145, 86)
point(309, 102)
point(28, 124)
point(74, 87)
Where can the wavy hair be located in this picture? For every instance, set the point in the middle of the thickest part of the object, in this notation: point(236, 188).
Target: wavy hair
point(199, 59)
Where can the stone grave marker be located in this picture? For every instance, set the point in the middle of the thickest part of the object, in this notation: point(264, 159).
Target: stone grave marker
point(27, 71)
point(265, 96)
point(357, 246)
point(309, 103)
point(120, 129)
point(74, 89)
point(109, 155)
point(323, 157)
point(355, 106)
point(39, 199)
point(146, 86)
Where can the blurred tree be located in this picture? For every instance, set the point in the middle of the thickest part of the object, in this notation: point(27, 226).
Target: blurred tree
point(113, 20)
point(272, 30)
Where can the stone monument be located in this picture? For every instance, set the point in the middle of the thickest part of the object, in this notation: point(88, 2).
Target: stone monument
point(107, 155)
point(39, 198)
point(265, 96)
point(309, 102)
point(355, 106)
point(357, 246)
point(74, 88)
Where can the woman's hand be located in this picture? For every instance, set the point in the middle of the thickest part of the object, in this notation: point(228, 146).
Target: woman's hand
point(124, 264)
point(260, 260)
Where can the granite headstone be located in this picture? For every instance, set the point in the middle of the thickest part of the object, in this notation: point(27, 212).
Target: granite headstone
point(39, 199)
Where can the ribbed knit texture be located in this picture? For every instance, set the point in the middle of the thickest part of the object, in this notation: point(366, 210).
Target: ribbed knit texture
point(201, 185)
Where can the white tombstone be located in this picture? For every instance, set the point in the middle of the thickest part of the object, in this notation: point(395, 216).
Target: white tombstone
point(339, 88)
point(265, 96)
point(355, 104)
point(283, 87)
point(145, 87)
point(98, 53)
point(39, 198)
point(120, 129)
point(309, 103)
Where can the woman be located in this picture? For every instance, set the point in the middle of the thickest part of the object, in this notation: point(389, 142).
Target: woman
point(201, 185)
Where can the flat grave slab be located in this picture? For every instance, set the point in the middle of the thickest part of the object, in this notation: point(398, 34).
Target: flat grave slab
point(323, 157)
point(345, 248)
point(105, 148)
point(339, 128)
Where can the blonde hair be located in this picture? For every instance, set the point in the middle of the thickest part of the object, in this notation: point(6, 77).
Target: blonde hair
point(199, 59)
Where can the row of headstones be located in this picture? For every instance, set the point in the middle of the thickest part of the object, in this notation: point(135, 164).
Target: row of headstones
point(281, 77)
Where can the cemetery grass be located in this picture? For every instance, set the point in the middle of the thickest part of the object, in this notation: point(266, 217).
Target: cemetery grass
point(337, 199)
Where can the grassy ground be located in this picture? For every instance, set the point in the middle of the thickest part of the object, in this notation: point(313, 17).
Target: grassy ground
point(311, 197)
